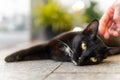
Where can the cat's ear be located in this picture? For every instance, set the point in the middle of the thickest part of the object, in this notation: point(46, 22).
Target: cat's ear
point(92, 28)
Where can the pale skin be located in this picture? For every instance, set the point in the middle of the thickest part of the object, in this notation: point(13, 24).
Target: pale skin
point(110, 21)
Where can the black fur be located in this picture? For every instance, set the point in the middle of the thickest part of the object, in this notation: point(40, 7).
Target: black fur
point(68, 47)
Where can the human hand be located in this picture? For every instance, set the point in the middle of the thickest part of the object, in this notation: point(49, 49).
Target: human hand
point(110, 21)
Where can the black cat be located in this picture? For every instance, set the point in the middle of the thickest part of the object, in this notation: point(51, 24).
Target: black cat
point(82, 48)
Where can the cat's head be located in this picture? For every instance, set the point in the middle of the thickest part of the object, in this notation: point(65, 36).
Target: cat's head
point(88, 47)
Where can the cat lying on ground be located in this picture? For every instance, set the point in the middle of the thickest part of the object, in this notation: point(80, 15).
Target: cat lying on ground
point(82, 48)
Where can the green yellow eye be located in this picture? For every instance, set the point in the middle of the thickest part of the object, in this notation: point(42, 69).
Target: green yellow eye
point(83, 46)
point(93, 59)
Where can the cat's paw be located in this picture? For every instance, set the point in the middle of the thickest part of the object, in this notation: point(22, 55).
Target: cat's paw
point(13, 58)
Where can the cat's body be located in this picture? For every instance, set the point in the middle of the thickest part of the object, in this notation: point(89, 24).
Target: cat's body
point(82, 48)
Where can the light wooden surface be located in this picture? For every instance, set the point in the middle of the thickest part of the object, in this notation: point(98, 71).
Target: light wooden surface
point(52, 70)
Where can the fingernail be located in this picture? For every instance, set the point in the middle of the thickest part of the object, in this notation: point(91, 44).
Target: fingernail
point(118, 25)
point(115, 34)
point(106, 35)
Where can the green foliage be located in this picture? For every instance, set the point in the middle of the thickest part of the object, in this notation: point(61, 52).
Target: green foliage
point(90, 13)
point(57, 16)
point(52, 14)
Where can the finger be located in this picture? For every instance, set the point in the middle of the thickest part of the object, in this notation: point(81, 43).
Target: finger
point(110, 23)
point(118, 28)
point(106, 35)
point(107, 16)
point(101, 28)
point(105, 20)
point(116, 16)
point(103, 24)
point(114, 30)
point(110, 31)
point(115, 33)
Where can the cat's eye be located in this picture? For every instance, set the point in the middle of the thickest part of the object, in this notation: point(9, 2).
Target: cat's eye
point(93, 59)
point(83, 46)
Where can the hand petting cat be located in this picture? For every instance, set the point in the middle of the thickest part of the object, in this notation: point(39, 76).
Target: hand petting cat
point(110, 21)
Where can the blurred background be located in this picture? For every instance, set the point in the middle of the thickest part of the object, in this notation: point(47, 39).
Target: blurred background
point(24, 21)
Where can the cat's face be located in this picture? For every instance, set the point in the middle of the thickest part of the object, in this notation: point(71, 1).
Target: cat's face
point(88, 47)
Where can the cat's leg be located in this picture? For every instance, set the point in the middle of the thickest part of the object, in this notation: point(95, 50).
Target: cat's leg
point(40, 51)
point(33, 53)
point(113, 50)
